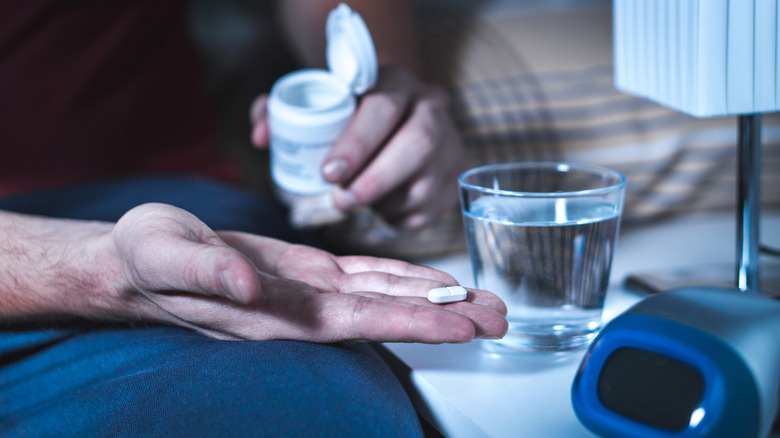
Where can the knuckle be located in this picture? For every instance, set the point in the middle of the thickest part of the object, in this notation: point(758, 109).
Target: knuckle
point(352, 142)
point(390, 103)
point(416, 221)
point(437, 97)
point(359, 310)
point(425, 140)
point(434, 104)
point(369, 188)
point(419, 192)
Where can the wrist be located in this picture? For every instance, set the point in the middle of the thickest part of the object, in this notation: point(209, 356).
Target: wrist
point(55, 268)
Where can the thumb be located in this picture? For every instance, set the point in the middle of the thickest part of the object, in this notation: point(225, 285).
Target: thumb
point(214, 270)
point(258, 118)
point(166, 249)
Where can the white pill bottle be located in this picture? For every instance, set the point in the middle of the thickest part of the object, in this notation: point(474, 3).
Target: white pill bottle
point(308, 109)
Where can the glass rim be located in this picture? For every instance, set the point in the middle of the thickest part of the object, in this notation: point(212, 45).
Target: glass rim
point(560, 166)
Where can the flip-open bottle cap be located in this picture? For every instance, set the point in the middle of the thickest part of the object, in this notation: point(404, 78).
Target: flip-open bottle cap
point(351, 53)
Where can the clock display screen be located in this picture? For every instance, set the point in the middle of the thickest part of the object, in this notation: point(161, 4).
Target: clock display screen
point(650, 388)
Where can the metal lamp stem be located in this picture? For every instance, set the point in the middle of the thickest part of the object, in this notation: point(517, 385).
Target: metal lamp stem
point(748, 202)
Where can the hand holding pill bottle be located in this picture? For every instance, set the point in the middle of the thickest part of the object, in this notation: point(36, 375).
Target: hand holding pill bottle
point(308, 110)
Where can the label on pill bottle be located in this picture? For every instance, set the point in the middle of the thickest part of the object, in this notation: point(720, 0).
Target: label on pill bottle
point(296, 167)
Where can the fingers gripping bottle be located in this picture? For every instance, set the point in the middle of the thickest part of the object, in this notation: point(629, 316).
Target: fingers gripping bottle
point(308, 110)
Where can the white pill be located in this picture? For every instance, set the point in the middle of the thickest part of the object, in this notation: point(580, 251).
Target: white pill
point(448, 294)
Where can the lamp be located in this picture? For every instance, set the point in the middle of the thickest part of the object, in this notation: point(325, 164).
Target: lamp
point(708, 58)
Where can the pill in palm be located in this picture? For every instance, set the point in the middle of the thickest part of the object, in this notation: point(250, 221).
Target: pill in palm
point(449, 294)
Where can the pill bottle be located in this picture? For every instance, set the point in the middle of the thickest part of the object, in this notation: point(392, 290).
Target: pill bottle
point(308, 109)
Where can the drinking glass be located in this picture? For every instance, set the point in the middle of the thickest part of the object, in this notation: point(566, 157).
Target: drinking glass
point(541, 236)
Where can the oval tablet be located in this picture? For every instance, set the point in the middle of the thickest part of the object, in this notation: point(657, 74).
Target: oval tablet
point(449, 294)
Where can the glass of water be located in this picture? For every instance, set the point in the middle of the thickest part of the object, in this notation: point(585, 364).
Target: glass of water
point(541, 236)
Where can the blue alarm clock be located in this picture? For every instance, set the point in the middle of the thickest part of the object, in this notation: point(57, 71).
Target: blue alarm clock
point(694, 362)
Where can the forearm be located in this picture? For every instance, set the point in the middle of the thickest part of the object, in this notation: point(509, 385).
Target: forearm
point(55, 268)
point(391, 23)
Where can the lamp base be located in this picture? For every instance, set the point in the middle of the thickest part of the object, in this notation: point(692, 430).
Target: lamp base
point(721, 275)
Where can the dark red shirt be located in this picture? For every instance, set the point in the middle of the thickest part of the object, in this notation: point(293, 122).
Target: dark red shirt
point(92, 89)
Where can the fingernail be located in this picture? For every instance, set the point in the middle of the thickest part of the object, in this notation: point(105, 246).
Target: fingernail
point(335, 170)
point(344, 199)
point(229, 286)
point(415, 221)
point(489, 337)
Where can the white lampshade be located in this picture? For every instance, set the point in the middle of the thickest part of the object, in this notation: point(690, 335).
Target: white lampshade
point(702, 57)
